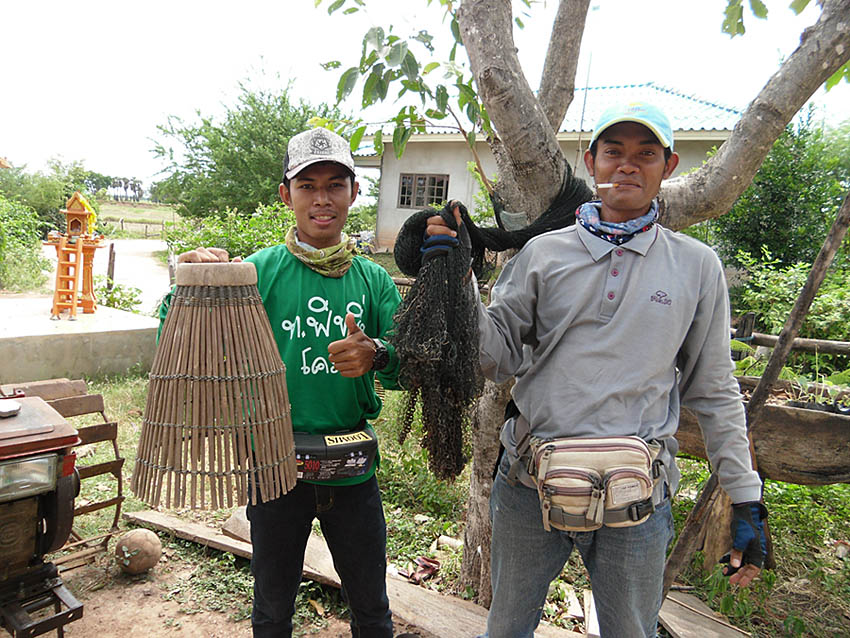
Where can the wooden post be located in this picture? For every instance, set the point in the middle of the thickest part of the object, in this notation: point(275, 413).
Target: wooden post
point(110, 268)
point(744, 333)
point(697, 520)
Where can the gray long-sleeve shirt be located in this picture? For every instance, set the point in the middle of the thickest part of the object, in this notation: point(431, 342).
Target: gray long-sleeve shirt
point(608, 340)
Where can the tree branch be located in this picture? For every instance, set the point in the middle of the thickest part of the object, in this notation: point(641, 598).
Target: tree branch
point(533, 156)
point(712, 190)
point(557, 85)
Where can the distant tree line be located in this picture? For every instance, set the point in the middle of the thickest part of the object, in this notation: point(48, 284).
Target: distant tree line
point(132, 188)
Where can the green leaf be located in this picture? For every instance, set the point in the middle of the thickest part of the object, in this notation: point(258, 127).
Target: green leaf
point(426, 39)
point(329, 66)
point(798, 6)
point(335, 5)
point(356, 137)
point(434, 114)
point(835, 78)
point(456, 31)
point(442, 98)
point(430, 67)
point(472, 111)
point(519, 23)
point(733, 23)
point(400, 137)
point(371, 89)
point(758, 9)
point(409, 66)
point(378, 142)
point(470, 139)
point(346, 83)
point(466, 94)
point(350, 10)
point(374, 37)
point(397, 53)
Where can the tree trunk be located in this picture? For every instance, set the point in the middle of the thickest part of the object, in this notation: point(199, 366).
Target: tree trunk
point(486, 423)
point(532, 155)
point(557, 85)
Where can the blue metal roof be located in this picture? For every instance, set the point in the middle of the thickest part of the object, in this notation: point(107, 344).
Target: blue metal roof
point(686, 112)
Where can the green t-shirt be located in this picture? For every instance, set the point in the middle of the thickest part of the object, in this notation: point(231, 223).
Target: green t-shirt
point(307, 312)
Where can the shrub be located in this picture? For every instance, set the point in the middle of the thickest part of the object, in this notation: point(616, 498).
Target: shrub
point(771, 289)
point(116, 296)
point(792, 201)
point(238, 234)
point(21, 264)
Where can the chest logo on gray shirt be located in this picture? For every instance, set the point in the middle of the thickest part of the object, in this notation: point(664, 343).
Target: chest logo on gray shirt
point(661, 297)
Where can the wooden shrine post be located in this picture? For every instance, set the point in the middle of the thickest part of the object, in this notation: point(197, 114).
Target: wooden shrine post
point(75, 253)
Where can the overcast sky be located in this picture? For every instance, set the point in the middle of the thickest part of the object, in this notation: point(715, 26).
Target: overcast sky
point(90, 80)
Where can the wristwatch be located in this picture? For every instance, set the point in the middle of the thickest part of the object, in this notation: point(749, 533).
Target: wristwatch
point(382, 355)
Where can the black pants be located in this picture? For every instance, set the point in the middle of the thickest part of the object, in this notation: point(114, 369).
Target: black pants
point(352, 522)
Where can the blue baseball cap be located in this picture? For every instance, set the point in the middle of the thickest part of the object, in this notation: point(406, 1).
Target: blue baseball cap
point(642, 113)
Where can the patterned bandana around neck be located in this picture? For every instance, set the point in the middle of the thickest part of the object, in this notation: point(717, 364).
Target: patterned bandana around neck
point(615, 232)
point(333, 261)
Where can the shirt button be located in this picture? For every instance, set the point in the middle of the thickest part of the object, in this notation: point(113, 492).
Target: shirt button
point(615, 272)
point(619, 252)
point(611, 296)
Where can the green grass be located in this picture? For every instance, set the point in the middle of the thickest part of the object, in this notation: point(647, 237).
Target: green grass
point(388, 262)
point(142, 212)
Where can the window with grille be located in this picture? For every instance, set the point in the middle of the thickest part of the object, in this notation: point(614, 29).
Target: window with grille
point(419, 191)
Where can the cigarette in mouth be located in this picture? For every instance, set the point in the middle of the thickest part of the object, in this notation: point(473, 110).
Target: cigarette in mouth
point(607, 185)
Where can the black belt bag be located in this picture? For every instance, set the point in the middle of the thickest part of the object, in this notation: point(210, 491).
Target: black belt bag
point(331, 457)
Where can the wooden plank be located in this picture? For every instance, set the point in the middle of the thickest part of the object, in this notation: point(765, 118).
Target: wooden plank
point(238, 526)
point(686, 616)
point(591, 621)
point(98, 433)
point(574, 608)
point(793, 445)
point(49, 389)
point(76, 406)
point(443, 616)
point(111, 467)
point(195, 532)
point(93, 507)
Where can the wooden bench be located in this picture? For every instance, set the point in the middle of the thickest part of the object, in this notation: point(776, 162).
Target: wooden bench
point(71, 400)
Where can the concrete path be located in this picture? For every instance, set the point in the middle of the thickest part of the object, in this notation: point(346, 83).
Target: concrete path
point(135, 266)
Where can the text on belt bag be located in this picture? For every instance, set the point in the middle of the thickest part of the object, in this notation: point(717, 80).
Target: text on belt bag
point(586, 483)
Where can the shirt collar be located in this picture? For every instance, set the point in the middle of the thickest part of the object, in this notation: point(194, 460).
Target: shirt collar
point(599, 248)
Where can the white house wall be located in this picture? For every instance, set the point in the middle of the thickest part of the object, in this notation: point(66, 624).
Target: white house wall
point(451, 157)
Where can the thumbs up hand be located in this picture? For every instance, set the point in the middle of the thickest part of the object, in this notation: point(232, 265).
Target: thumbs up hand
point(352, 356)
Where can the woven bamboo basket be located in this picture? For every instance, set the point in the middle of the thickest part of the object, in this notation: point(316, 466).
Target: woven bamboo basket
point(217, 428)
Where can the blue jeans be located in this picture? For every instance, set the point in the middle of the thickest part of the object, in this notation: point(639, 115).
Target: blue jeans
point(625, 564)
point(352, 522)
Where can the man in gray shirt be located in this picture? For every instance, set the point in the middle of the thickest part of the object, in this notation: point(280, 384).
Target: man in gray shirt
point(609, 327)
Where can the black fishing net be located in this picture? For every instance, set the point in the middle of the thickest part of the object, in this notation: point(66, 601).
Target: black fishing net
point(436, 335)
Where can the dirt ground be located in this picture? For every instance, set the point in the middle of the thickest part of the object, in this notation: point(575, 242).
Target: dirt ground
point(117, 606)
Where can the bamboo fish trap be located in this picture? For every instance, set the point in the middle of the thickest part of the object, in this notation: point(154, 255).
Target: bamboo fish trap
point(217, 425)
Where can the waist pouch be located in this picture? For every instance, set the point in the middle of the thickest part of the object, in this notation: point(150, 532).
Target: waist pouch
point(586, 483)
point(330, 457)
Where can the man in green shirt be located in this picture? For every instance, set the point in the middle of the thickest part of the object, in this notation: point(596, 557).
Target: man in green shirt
point(329, 310)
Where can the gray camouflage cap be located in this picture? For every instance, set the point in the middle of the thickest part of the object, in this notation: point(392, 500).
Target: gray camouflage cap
point(314, 146)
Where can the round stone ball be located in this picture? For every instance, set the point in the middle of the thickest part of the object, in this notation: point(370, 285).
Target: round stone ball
point(137, 551)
